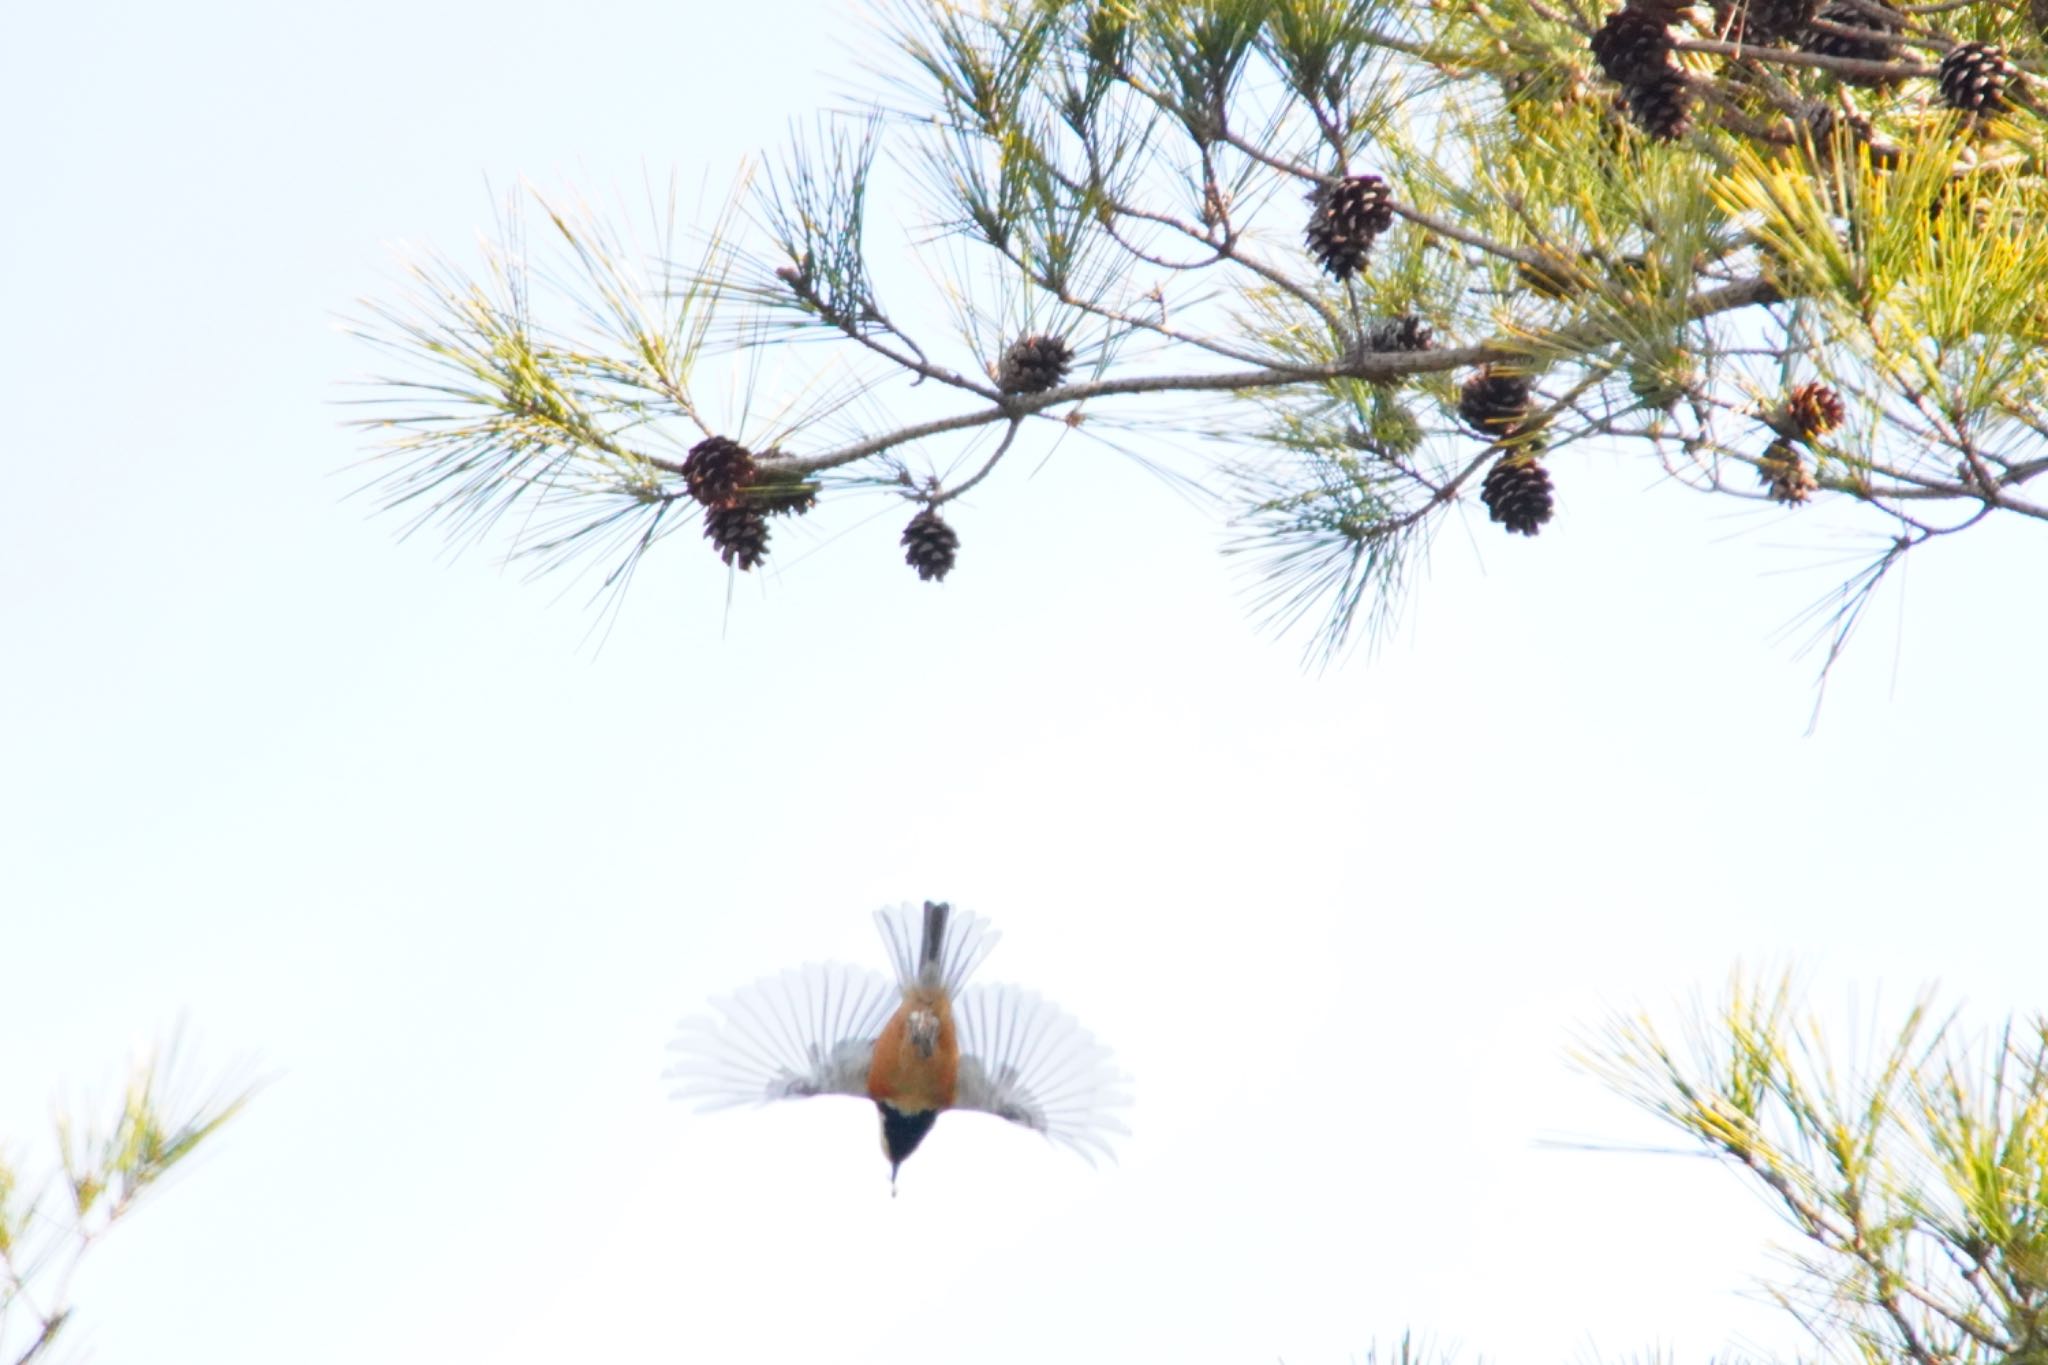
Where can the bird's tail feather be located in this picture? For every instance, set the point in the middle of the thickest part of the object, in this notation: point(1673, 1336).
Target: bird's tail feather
point(935, 944)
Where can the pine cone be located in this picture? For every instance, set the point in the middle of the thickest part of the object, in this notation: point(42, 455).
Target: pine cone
point(1758, 22)
point(1871, 49)
point(1814, 409)
point(715, 470)
point(1554, 275)
point(1974, 77)
point(1034, 364)
point(1404, 333)
point(739, 532)
point(1516, 492)
point(930, 546)
point(1661, 107)
point(1495, 402)
point(1783, 470)
point(1826, 123)
point(1632, 47)
point(792, 499)
point(1349, 214)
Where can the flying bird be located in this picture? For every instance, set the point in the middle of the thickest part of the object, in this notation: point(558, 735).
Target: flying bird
point(925, 1044)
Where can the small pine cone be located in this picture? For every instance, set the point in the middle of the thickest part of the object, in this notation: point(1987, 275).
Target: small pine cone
point(1349, 214)
point(715, 470)
point(739, 532)
point(1974, 77)
point(1762, 22)
point(1034, 364)
point(1554, 275)
point(1784, 472)
point(1772, 21)
point(1871, 49)
point(792, 499)
point(1826, 123)
point(930, 546)
point(1632, 47)
point(1495, 402)
point(1661, 107)
point(1516, 492)
point(1814, 409)
point(1404, 333)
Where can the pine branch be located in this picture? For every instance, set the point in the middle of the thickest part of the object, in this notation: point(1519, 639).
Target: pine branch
point(1673, 225)
point(105, 1173)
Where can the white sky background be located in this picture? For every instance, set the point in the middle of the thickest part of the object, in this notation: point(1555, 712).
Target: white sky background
point(397, 832)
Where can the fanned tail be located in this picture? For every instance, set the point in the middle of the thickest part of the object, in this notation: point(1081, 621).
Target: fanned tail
point(936, 944)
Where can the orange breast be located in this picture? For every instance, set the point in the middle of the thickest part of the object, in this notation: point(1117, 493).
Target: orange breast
point(902, 1073)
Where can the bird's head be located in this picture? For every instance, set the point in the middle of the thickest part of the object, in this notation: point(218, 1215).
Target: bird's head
point(901, 1133)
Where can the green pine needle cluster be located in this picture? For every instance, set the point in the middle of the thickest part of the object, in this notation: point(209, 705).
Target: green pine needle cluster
point(1915, 1176)
point(48, 1225)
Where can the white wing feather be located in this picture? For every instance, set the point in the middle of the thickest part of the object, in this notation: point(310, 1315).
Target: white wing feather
point(806, 1032)
point(1023, 1059)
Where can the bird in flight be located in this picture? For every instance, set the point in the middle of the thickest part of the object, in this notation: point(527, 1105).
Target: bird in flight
point(927, 1043)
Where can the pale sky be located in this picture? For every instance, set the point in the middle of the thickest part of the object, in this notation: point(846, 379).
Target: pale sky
point(398, 834)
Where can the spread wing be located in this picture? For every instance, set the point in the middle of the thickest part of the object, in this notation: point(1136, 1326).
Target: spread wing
point(806, 1032)
point(1022, 1059)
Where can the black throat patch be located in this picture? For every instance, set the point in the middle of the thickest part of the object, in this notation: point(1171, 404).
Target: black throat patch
point(902, 1132)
